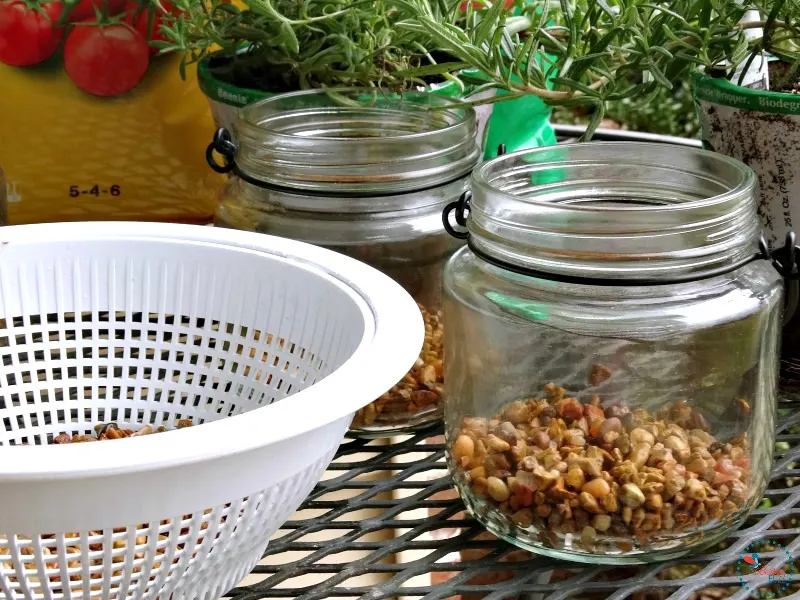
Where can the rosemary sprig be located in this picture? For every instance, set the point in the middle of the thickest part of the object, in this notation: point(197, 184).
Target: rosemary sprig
point(285, 45)
point(600, 51)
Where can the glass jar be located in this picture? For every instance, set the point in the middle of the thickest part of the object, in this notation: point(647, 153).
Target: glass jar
point(367, 175)
point(612, 338)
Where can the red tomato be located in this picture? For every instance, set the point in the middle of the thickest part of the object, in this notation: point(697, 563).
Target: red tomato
point(85, 9)
point(28, 36)
point(105, 60)
point(139, 19)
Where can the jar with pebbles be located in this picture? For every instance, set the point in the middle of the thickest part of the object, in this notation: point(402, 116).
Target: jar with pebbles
point(612, 351)
point(365, 174)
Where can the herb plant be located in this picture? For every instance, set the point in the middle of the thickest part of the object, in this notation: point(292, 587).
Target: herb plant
point(666, 112)
point(285, 45)
point(594, 52)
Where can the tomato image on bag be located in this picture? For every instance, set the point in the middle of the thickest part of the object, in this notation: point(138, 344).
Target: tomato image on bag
point(96, 124)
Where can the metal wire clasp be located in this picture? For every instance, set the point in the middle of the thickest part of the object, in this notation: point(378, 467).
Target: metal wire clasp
point(461, 208)
point(785, 261)
point(223, 144)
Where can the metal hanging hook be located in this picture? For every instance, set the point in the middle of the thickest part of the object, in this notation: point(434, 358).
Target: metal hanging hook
point(223, 144)
point(785, 261)
point(461, 208)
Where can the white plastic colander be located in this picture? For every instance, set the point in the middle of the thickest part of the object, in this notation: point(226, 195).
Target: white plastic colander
point(270, 344)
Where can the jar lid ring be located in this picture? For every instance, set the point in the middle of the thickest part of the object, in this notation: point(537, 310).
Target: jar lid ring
point(223, 144)
point(785, 260)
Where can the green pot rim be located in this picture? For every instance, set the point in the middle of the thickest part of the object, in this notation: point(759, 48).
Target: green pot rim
point(723, 92)
point(233, 95)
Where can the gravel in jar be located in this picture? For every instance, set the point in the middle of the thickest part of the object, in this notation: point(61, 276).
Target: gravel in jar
point(419, 391)
point(563, 466)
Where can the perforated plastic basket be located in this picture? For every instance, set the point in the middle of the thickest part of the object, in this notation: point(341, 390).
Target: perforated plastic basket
point(269, 345)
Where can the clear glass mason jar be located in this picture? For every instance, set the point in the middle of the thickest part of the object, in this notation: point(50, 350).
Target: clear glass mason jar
point(611, 351)
point(367, 175)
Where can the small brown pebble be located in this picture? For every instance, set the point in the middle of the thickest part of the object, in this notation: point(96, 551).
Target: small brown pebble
point(102, 428)
point(541, 439)
point(696, 464)
point(628, 421)
point(574, 437)
point(575, 479)
point(589, 503)
point(641, 436)
point(601, 523)
point(146, 430)
point(463, 449)
point(523, 518)
point(631, 496)
point(507, 432)
point(518, 412)
point(570, 409)
point(616, 411)
point(422, 398)
point(637, 519)
point(495, 444)
point(695, 490)
point(744, 407)
point(588, 535)
point(62, 438)
point(611, 425)
point(639, 454)
point(497, 489)
point(184, 423)
point(598, 488)
point(599, 374)
point(610, 504)
point(654, 502)
point(651, 522)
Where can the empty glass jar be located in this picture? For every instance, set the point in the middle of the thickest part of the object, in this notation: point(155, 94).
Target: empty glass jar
point(612, 335)
point(367, 175)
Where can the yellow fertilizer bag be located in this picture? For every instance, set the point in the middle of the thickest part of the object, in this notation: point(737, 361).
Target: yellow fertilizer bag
point(94, 124)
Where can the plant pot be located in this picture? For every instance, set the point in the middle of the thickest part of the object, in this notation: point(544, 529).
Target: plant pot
point(762, 129)
point(533, 131)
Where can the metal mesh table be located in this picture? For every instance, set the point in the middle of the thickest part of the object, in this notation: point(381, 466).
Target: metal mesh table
point(387, 512)
point(435, 542)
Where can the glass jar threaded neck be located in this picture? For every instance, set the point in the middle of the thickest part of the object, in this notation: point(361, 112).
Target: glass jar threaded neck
point(356, 141)
point(615, 210)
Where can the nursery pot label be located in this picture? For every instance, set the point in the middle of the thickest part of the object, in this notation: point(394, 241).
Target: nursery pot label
point(762, 129)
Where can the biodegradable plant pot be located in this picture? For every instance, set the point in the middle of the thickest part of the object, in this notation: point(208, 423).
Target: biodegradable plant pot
point(762, 129)
point(227, 98)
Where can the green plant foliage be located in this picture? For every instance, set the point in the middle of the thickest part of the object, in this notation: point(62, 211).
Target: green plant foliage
point(282, 45)
point(669, 112)
point(605, 52)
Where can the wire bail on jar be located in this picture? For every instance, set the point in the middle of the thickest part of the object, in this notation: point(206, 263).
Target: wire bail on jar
point(461, 209)
point(223, 144)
